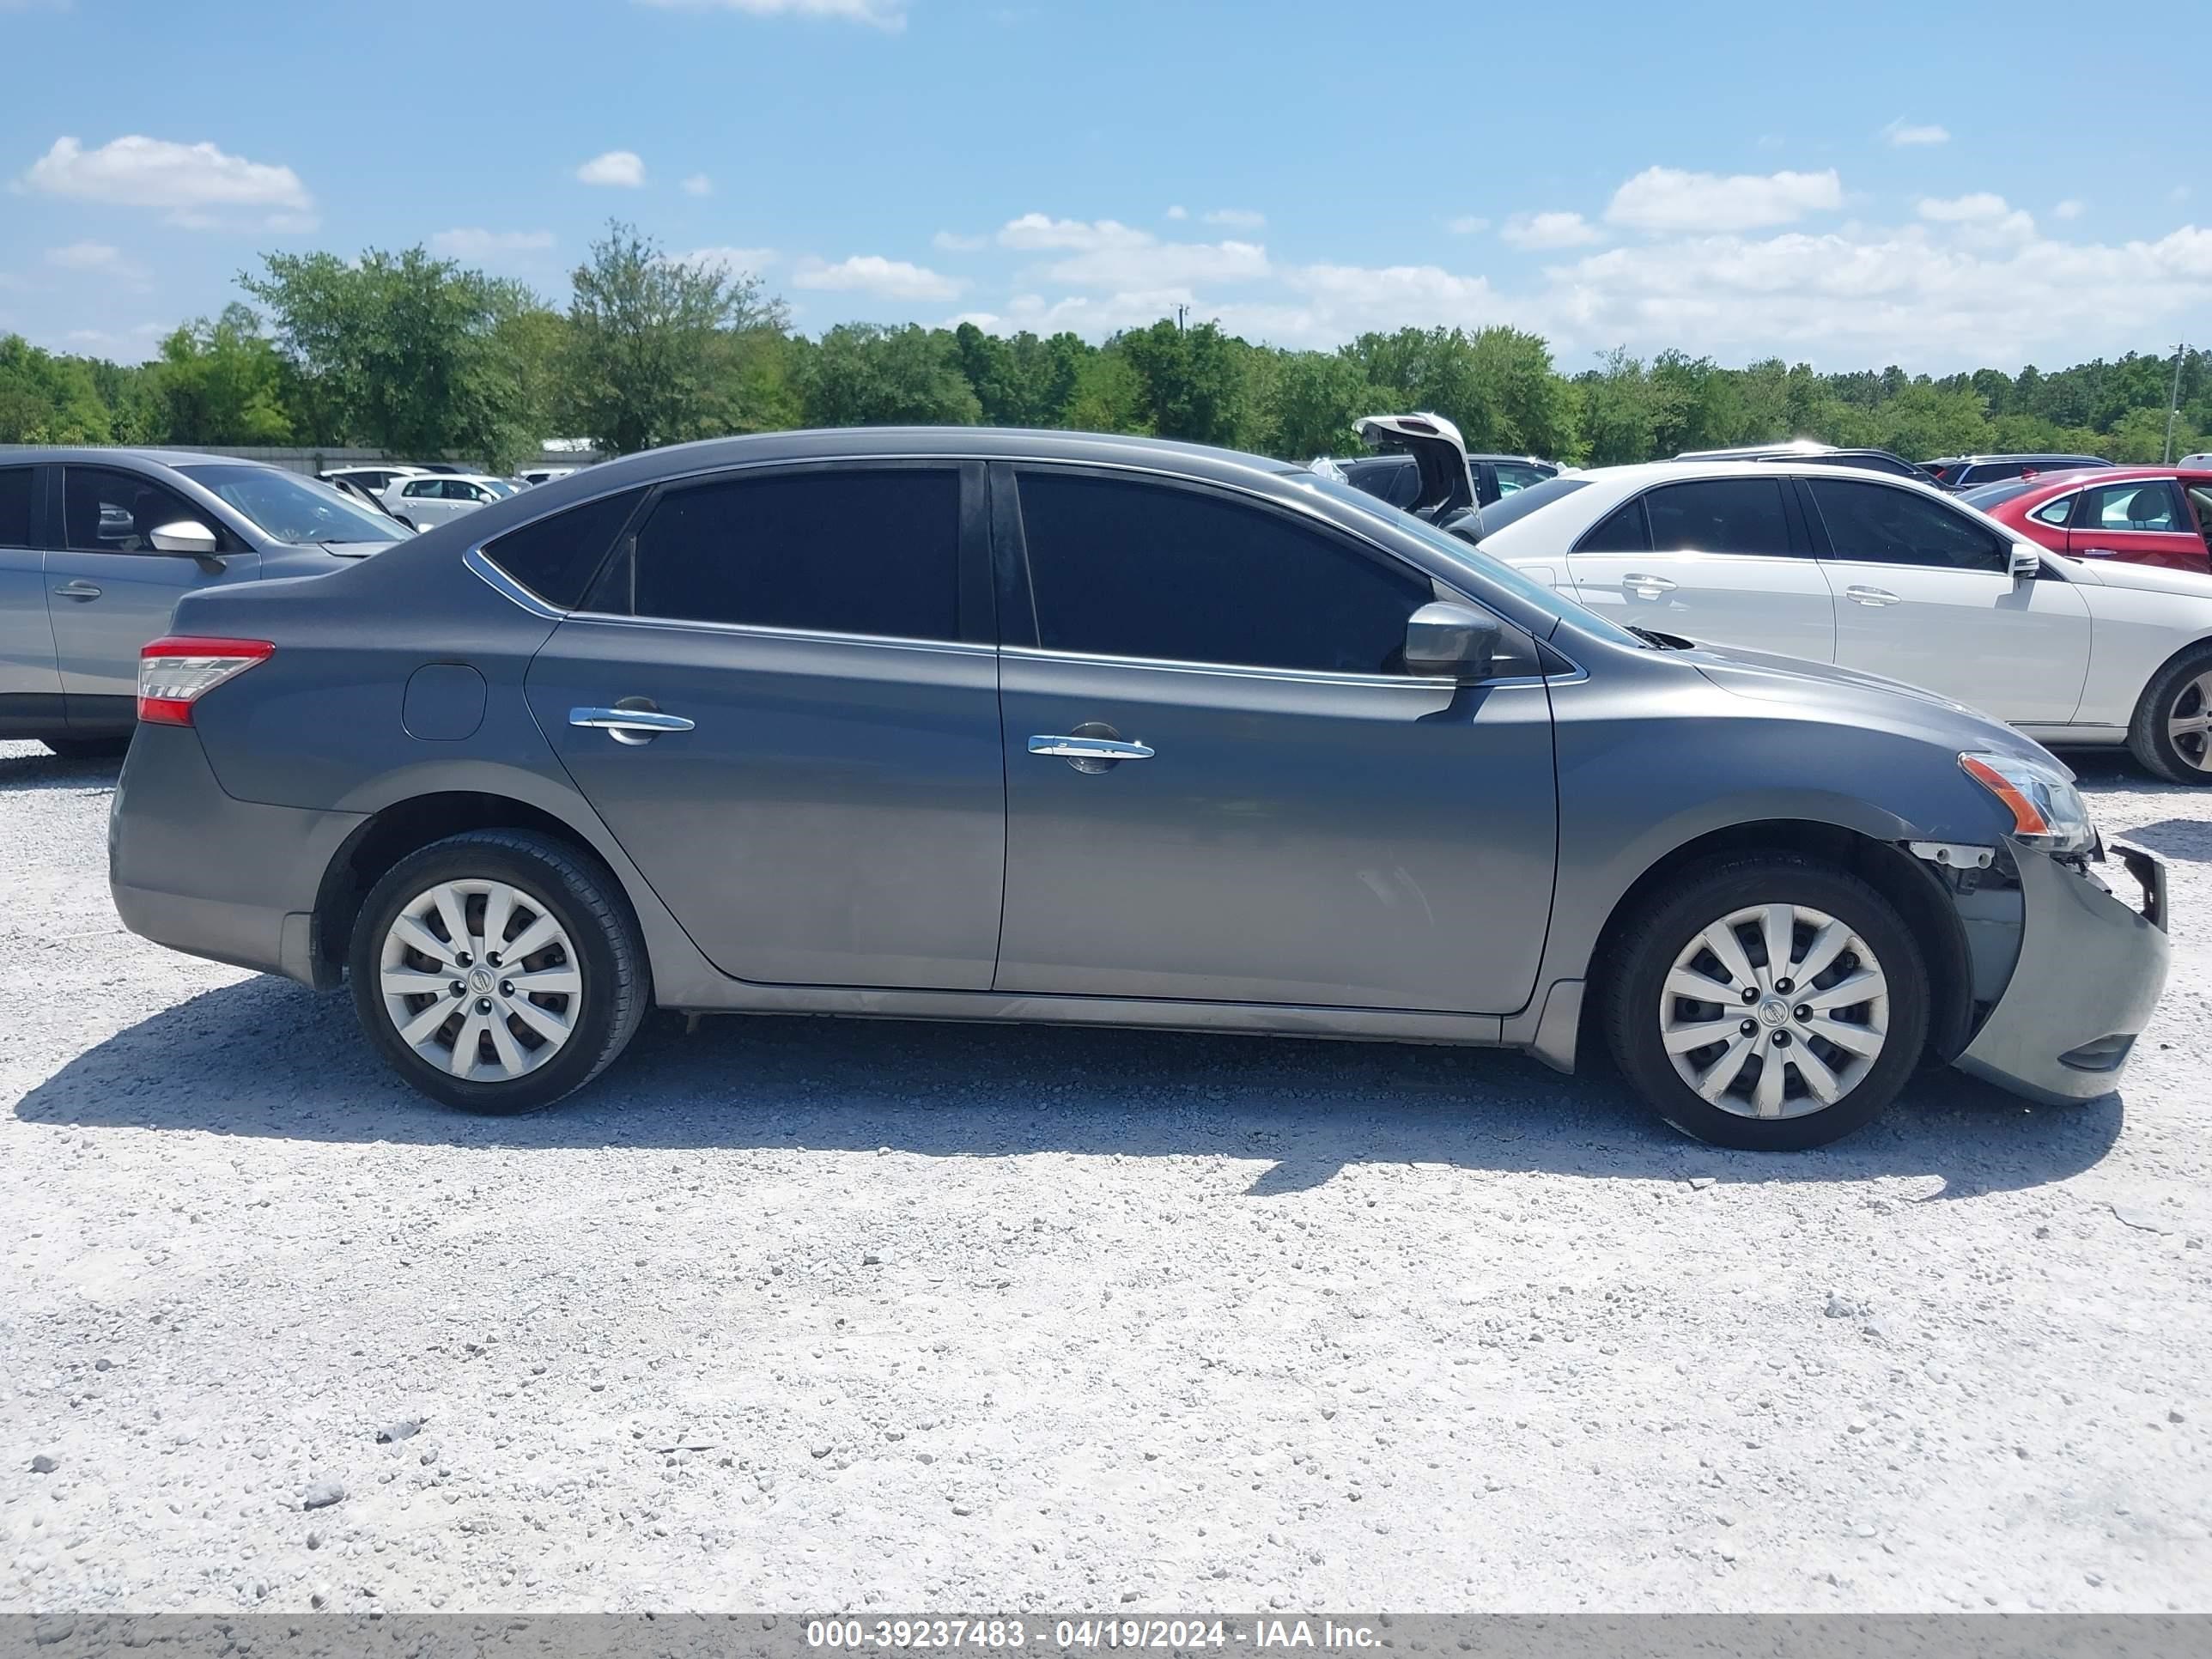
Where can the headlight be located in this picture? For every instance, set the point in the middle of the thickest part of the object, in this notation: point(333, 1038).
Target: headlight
point(2047, 809)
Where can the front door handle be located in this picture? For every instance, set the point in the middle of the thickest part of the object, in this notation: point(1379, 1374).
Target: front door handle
point(1859, 595)
point(630, 725)
point(2098, 553)
point(78, 591)
point(1647, 588)
point(1079, 748)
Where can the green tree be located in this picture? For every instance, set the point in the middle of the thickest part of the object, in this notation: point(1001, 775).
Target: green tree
point(658, 350)
point(871, 374)
point(1108, 396)
point(221, 382)
point(49, 400)
point(1318, 395)
point(1193, 384)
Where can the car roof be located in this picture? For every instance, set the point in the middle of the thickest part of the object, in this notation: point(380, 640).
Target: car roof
point(2020, 455)
point(107, 454)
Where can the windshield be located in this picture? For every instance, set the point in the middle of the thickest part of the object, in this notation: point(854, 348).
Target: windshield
point(501, 486)
point(288, 507)
point(1511, 509)
point(1460, 553)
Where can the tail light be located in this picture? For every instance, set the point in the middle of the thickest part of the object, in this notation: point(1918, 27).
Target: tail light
point(175, 673)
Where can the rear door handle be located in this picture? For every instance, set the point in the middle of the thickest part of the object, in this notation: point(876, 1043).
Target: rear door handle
point(630, 725)
point(1071, 748)
point(1860, 595)
point(2099, 553)
point(1647, 588)
point(78, 591)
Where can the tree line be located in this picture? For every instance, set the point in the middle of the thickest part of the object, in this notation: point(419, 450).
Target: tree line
point(422, 358)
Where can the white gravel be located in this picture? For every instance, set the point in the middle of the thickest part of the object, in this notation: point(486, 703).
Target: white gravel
point(828, 1316)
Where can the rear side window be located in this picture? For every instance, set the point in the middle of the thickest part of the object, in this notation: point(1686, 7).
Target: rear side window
point(2138, 506)
point(557, 557)
point(1718, 515)
point(1875, 523)
point(1511, 509)
point(1621, 530)
point(14, 507)
point(1121, 568)
point(835, 550)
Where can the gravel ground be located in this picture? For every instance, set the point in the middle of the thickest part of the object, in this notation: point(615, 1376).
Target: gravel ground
point(833, 1316)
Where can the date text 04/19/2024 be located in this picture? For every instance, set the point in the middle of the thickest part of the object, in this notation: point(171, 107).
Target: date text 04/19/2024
point(1078, 1634)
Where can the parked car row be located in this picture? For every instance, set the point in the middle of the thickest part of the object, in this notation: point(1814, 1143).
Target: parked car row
point(1002, 726)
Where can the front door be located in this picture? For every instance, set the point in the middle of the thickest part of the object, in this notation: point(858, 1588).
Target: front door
point(2144, 521)
point(1292, 819)
point(1720, 561)
point(783, 702)
point(1925, 595)
point(109, 592)
point(30, 684)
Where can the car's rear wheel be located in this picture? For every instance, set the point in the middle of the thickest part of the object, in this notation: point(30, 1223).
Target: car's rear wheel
point(498, 972)
point(1769, 1004)
point(2172, 731)
point(88, 748)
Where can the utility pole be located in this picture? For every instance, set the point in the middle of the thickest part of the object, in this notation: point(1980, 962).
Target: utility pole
point(2173, 404)
point(1182, 315)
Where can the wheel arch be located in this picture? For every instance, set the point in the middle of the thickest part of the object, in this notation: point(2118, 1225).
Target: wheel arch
point(1903, 881)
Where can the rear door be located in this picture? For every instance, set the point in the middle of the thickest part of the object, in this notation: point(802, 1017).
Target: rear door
point(109, 592)
point(1925, 595)
point(30, 683)
point(824, 801)
point(2143, 521)
point(1305, 823)
point(1721, 560)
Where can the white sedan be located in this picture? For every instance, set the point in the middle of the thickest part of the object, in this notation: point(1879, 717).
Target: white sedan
point(431, 499)
point(1886, 576)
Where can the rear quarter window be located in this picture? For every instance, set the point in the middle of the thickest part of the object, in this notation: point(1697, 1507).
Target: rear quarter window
point(556, 556)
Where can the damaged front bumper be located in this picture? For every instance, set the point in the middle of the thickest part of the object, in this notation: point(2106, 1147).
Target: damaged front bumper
point(2092, 963)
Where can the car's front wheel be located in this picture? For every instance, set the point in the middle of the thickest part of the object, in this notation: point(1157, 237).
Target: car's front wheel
point(2172, 731)
point(498, 970)
point(1768, 1004)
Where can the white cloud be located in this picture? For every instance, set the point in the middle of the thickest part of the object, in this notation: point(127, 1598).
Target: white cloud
point(872, 274)
point(85, 256)
point(1236, 218)
point(474, 242)
point(733, 259)
point(1903, 133)
point(1548, 230)
point(2068, 208)
point(1106, 254)
point(1039, 230)
point(1670, 199)
point(698, 184)
point(1178, 213)
point(1980, 216)
point(192, 182)
point(1467, 224)
point(887, 15)
point(951, 241)
point(622, 168)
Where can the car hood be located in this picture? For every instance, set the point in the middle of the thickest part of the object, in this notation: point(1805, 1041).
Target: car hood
point(1846, 695)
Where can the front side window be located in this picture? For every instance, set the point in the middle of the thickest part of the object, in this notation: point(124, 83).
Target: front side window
point(2138, 506)
point(837, 549)
point(1718, 515)
point(1875, 523)
point(108, 510)
point(1130, 568)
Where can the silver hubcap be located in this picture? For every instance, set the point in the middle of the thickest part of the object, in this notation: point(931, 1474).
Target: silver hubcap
point(479, 979)
point(2189, 722)
point(1774, 1011)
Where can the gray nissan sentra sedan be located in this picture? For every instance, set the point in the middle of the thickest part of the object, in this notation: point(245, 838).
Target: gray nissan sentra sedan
point(990, 724)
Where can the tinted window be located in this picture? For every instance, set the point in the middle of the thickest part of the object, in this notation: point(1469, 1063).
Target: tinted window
point(556, 557)
point(1522, 503)
point(1984, 473)
point(1888, 464)
point(14, 507)
point(841, 550)
point(2054, 513)
point(1622, 531)
point(2138, 506)
point(1877, 524)
point(109, 511)
point(1513, 475)
point(1397, 480)
point(1124, 568)
point(1989, 496)
point(1718, 515)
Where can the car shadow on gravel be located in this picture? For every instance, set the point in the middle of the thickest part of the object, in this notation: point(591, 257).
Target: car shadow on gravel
point(42, 770)
point(263, 1057)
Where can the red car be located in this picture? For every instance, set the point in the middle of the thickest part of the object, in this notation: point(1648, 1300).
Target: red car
point(2144, 515)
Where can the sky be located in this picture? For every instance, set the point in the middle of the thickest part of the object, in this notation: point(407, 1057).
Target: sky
point(1941, 187)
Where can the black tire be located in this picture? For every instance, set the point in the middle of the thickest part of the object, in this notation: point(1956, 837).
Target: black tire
point(578, 893)
point(88, 748)
point(1660, 929)
point(2148, 740)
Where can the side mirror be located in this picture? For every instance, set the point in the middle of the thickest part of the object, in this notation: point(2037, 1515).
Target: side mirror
point(1454, 641)
point(186, 536)
point(2027, 562)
